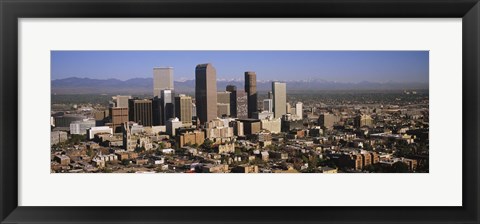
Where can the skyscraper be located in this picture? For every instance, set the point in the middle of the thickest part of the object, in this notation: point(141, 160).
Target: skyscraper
point(223, 104)
point(157, 111)
point(268, 105)
point(233, 99)
point(238, 102)
point(206, 92)
point(121, 101)
point(326, 120)
point(223, 110)
point(162, 79)
point(172, 125)
point(242, 104)
point(279, 91)
point(140, 111)
point(223, 97)
point(251, 89)
point(168, 109)
point(118, 116)
point(299, 110)
point(183, 108)
point(288, 108)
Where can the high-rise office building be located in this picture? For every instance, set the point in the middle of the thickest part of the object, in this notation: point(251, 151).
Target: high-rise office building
point(279, 91)
point(163, 107)
point(251, 89)
point(223, 110)
point(172, 125)
point(118, 116)
point(270, 95)
point(363, 120)
point(163, 95)
point(242, 104)
point(326, 120)
point(157, 111)
point(233, 99)
point(183, 109)
point(140, 111)
point(231, 88)
point(194, 110)
point(299, 110)
point(268, 105)
point(162, 79)
point(223, 104)
point(288, 108)
point(121, 101)
point(206, 92)
point(168, 97)
point(223, 97)
point(238, 102)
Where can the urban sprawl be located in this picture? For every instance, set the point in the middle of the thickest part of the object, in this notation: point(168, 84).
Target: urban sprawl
point(241, 131)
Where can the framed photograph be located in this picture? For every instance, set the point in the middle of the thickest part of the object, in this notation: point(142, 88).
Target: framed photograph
point(239, 111)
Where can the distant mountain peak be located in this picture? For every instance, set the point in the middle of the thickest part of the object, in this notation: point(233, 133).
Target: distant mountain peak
point(76, 85)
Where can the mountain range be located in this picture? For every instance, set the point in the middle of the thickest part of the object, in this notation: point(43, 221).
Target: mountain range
point(76, 85)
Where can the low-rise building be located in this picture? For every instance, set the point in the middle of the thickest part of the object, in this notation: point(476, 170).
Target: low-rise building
point(278, 155)
point(245, 169)
point(57, 137)
point(196, 137)
point(125, 155)
point(62, 160)
point(172, 125)
point(251, 126)
point(226, 148)
point(81, 127)
point(98, 130)
point(262, 115)
point(215, 168)
point(327, 169)
point(272, 125)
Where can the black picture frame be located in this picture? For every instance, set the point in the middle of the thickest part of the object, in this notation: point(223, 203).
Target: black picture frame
point(12, 10)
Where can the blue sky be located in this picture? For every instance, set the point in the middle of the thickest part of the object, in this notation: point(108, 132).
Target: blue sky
point(341, 66)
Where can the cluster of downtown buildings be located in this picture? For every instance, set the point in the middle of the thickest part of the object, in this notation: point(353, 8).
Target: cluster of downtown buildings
point(227, 131)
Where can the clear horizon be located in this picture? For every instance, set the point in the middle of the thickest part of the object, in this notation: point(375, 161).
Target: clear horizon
point(334, 66)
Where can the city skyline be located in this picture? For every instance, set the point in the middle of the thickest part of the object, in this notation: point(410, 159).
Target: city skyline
point(338, 66)
point(224, 130)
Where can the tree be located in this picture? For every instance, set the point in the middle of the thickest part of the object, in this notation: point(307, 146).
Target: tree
point(305, 159)
point(125, 162)
point(140, 149)
point(400, 167)
point(207, 144)
point(76, 139)
point(107, 170)
point(90, 152)
point(422, 166)
point(312, 164)
point(367, 147)
point(238, 151)
point(374, 168)
point(161, 145)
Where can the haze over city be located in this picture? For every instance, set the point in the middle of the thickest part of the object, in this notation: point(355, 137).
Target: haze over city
point(334, 66)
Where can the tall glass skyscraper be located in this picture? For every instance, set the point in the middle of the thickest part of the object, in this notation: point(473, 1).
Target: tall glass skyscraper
point(162, 79)
point(251, 89)
point(279, 91)
point(206, 92)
